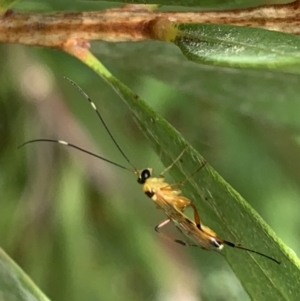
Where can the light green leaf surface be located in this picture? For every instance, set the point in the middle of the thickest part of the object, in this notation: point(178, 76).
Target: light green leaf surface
point(195, 3)
point(15, 285)
point(221, 207)
point(268, 96)
point(229, 45)
point(5, 4)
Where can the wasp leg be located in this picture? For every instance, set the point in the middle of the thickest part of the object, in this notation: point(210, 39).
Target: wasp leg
point(190, 176)
point(173, 163)
point(196, 216)
point(166, 236)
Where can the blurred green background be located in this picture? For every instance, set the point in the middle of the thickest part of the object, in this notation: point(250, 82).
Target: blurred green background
point(81, 228)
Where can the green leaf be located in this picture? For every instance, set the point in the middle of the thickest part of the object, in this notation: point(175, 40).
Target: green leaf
point(275, 98)
point(221, 207)
point(15, 284)
point(5, 4)
point(237, 46)
point(200, 3)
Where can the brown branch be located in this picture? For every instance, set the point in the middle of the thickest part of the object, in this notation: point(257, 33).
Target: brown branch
point(133, 23)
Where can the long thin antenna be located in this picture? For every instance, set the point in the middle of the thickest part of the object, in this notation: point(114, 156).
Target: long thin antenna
point(101, 119)
point(231, 244)
point(76, 147)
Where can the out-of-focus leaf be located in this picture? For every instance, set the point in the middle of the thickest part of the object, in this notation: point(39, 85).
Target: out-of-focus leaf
point(5, 4)
point(229, 45)
point(15, 284)
point(191, 3)
point(220, 205)
point(266, 95)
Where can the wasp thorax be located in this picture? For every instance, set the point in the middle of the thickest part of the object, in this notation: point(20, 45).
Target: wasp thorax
point(143, 175)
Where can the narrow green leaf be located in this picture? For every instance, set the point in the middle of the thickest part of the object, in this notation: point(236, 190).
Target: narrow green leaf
point(229, 45)
point(191, 3)
point(5, 4)
point(15, 284)
point(221, 207)
point(275, 98)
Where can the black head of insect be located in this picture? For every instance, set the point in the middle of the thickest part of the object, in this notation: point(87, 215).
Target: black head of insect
point(143, 175)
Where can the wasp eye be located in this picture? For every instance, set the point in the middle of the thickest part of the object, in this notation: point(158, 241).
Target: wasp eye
point(145, 174)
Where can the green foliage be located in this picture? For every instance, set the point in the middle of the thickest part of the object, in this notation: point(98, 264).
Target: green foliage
point(237, 46)
point(192, 3)
point(83, 230)
point(5, 4)
point(233, 217)
point(15, 284)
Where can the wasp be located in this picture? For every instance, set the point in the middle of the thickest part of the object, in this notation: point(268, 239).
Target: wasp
point(164, 195)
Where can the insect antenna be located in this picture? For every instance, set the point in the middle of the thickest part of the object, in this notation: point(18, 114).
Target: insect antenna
point(102, 121)
point(76, 147)
point(84, 150)
point(231, 244)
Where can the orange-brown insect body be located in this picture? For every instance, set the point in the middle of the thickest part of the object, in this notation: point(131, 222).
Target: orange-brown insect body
point(160, 191)
point(199, 234)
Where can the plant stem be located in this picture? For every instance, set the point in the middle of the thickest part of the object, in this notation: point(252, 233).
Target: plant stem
point(133, 23)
